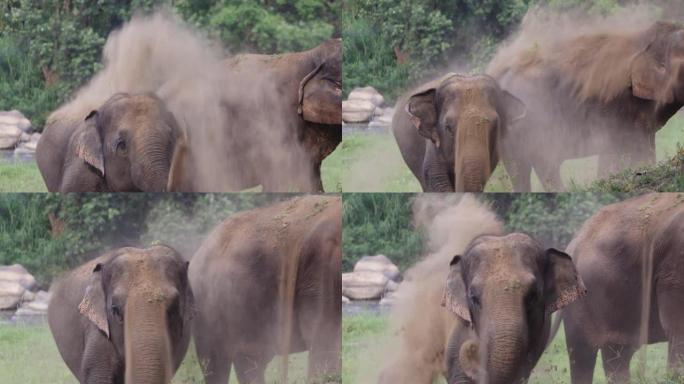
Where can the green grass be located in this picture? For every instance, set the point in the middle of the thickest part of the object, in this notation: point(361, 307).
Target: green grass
point(364, 335)
point(20, 177)
point(28, 355)
point(373, 163)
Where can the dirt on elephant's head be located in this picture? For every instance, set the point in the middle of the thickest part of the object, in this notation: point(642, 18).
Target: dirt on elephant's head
point(420, 326)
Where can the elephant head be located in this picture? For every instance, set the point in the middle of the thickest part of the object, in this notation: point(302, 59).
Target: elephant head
point(142, 301)
point(505, 289)
point(128, 143)
point(657, 70)
point(463, 117)
point(320, 91)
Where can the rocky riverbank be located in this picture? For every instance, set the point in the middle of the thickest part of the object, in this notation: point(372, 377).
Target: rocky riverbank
point(374, 279)
point(16, 133)
point(20, 297)
point(366, 106)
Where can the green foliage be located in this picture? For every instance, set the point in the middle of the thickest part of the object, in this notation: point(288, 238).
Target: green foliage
point(50, 47)
point(51, 233)
point(379, 223)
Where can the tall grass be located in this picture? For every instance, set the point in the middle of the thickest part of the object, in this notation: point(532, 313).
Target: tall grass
point(22, 86)
point(368, 60)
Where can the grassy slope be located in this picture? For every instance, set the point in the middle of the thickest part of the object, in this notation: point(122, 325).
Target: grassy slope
point(362, 359)
point(372, 162)
point(20, 177)
point(28, 355)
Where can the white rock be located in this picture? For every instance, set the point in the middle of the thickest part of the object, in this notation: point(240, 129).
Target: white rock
point(345, 299)
point(367, 94)
point(363, 285)
point(14, 282)
point(35, 137)
point(386, 117)
point(15, 118)
point(357, 111)
point(17, 273)
point(380, 264)
point(24, 137)
point(9, 136)
point(391, 286)
point(29, 146)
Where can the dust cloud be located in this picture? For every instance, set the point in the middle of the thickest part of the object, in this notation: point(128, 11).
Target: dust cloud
point(420, 326)
point(230, 119)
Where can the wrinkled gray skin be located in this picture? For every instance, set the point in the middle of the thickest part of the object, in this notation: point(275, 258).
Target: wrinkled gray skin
point(251, 270)
point(503, 291)
point(126, 145)
point(622, 131)
point(611, 250)
point(124, 317)
point(449, 131)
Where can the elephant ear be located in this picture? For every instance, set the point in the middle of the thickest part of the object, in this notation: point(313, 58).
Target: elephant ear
point(563, 283)
point(514, 108)
point(93, 304)
point(320, 96)
point(89, 143)
point(650, 71)
point(454, 298)
point(422, 113)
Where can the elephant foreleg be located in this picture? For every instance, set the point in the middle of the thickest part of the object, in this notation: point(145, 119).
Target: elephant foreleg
point(213, 355)
point(549, 175)
point(520, 173)
point(616, 360)
point(250, 369)
point(581, 353)
point(436, 173)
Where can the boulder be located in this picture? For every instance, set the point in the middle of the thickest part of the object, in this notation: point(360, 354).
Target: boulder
point(9, 136)
point(391, 286)
point(14, 282)
point(365, 285)
point(16, 119)
point(379, 264)
point(357, 111)
point(345, 299)
point(29, 146)
point(386, 117)
point(35, 137)
point(367, 94)
point(37, 307)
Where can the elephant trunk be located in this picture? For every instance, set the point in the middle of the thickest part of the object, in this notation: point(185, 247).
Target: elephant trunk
point(473, 158)
point(146, 341)
point(506, 344)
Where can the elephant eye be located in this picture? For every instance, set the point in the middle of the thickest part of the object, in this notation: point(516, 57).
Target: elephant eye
point(120, 147)
point(474, 299)
point(118, 313)
point(449, 128)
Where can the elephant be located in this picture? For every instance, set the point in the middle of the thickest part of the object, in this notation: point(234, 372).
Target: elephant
point(124, 317)
point(503, 291)
point(449, 131)
point(126, 145)
point(283, 117)
point(604, 94)
point(629, 255)
point(267, 282)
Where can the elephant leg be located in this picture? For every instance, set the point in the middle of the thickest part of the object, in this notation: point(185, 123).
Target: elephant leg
point(213, 355)
point(520, 173)
point(250, 369)
point(324, 350)
point(548, 171)
point(616, 360)
point(317, 181)
point(582, 355)
point(97, 365)
point(670, 314)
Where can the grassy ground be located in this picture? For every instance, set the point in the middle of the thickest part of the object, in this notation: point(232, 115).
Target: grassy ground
point(373, 163)
point(20, 177)
point(28, 355)
point(362, 358)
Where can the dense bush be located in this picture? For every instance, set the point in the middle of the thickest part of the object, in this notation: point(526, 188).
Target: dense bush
point(382, 223)
point(50, 47)
point(51, 233)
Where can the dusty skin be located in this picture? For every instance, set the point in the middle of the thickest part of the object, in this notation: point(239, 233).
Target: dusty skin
point(224, 140)
point(592, 86)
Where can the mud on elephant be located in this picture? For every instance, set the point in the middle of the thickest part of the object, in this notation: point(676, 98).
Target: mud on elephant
point(124, 317)
point(449, 131)
point(267, 283)
point(629, 254)
point(125, 145)
point(503, 291)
